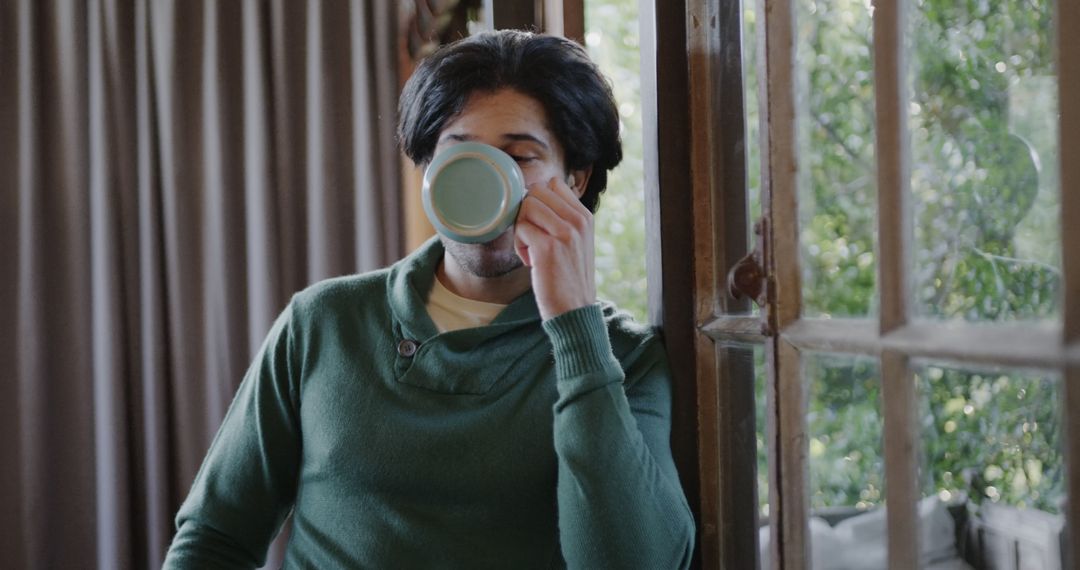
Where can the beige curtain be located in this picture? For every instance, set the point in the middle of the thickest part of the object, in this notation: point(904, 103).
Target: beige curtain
point(171, 171)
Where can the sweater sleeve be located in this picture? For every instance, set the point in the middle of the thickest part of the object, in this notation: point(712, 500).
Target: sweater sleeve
point(620, 501)
point(247, 482)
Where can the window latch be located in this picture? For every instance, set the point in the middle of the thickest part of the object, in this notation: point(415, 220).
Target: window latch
point(747, 277)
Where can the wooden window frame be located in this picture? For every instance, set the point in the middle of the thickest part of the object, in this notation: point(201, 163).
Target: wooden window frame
point(695, 196)
point(1068, 59)
point(694, 174)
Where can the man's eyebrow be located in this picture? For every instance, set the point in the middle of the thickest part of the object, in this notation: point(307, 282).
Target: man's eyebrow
point(516, 137)
point(525, 137)
point(458, 138)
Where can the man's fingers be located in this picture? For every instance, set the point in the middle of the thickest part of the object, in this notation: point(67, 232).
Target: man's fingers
point(565, 195)
point(553, 236)
point(539, 213)
point(526, 234)
point(522, 252)
point(563, 203)
point(564, 190)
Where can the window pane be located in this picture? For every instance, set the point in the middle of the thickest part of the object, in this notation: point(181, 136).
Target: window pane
point(761, 395)
point(753, 116)
point(756, 354)
point(846, 462)
point(837, 189)
point(992, 447)
point(983, 120)
point(845, 428)
point(611, 36)
point(760, 407)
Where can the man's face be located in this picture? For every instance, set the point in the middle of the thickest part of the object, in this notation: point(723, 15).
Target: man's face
point(516, 124)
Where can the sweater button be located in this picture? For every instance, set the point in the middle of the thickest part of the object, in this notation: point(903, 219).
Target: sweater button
point(407, 348)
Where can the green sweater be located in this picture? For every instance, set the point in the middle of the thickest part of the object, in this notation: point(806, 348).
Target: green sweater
point(516, 445)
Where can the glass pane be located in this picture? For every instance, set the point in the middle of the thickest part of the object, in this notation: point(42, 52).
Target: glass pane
point(761, 396)
point(752, 144)
point(760, 407)
point(742, 386)
point(741, 374)
point(846, 462)
point(753, 116)
point(983, 120)
point(837, 189)
point(845, 428)
point(612, 39)
point(992, 465)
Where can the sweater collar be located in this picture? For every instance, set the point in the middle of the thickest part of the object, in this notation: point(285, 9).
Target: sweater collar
point(410, 281)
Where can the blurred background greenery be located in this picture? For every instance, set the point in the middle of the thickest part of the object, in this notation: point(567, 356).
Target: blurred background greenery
point(984, 182)
point(612, 38)
point(986, 241)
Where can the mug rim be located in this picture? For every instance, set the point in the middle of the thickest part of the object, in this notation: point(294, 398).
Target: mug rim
point(508, 172)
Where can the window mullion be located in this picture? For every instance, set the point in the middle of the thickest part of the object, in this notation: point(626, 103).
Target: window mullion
point(788, 499)
point(894, 222)
point(1068, 53)
point(894, 235)
point(780, 161)
point(789, 505)
point(1069, 85)
point(1071, 444)
point(901, 460)
point(1011, 345)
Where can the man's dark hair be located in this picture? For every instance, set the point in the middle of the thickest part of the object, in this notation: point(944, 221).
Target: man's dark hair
point(553, 70)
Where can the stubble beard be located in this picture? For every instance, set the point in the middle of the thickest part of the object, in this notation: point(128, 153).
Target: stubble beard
point(487, 260)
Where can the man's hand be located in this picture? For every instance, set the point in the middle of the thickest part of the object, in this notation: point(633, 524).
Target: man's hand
point(554, 237)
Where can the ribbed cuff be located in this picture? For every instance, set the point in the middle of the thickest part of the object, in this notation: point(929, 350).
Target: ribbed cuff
point(580, 341)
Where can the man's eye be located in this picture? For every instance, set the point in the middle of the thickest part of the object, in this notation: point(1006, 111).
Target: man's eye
point(522, 159)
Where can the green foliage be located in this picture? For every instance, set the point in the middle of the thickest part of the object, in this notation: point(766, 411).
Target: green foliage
point(612, 40)
point(838, 197)
point(982, 122)
point(985, 435)
point(992, 436)
point(846, 467)
point(984, 163)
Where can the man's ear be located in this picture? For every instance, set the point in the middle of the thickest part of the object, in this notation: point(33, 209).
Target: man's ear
point(578, 180)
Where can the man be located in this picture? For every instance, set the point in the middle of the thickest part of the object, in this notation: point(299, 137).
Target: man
point(472, 406)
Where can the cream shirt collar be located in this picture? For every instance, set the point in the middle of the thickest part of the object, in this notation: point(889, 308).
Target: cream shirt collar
point(451, 312)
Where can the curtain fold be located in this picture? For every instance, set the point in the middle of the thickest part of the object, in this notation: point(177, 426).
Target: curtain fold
point(171, 171)
point(11, 529)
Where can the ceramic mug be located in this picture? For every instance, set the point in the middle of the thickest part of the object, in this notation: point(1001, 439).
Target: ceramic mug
point(472, 192)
